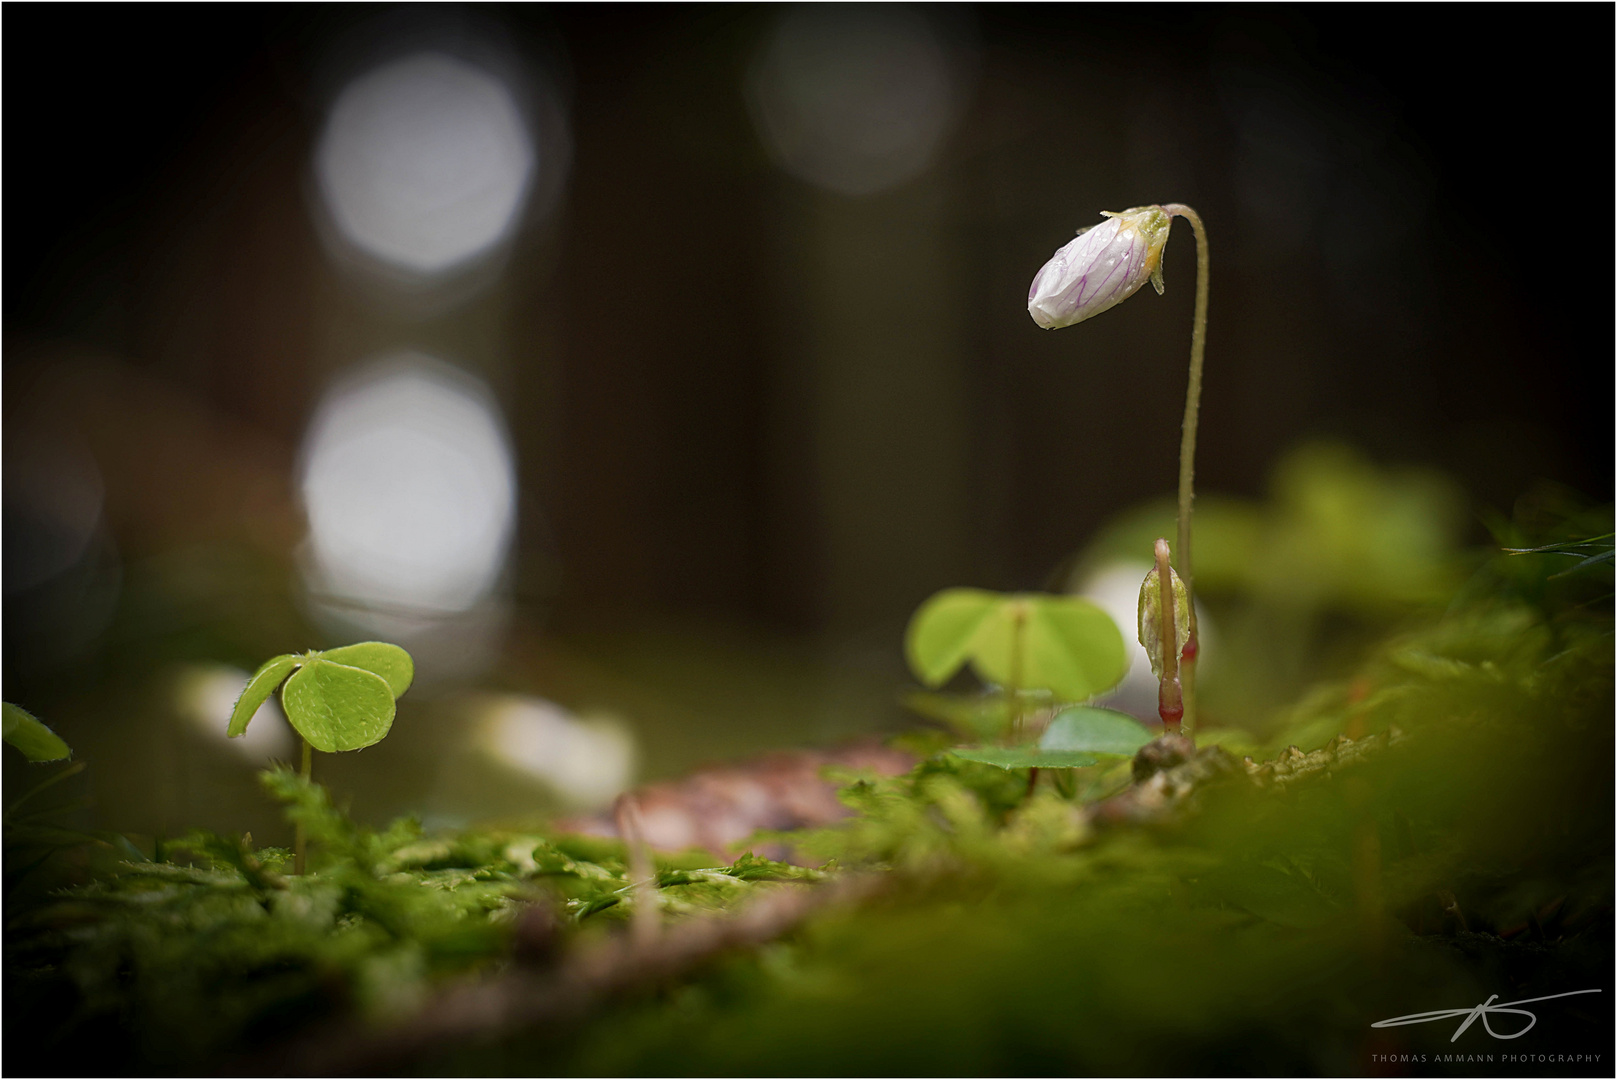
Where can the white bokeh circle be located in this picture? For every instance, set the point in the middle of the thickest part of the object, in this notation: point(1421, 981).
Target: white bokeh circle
point(408, 483)
point(425, 163)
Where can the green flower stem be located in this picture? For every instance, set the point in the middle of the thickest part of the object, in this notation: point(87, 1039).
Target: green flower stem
point(1187, 448)
point(299, 840)
point(1014, 689)
point(1013, 685)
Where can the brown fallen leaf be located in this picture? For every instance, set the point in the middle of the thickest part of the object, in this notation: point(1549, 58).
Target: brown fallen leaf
point(718, 808)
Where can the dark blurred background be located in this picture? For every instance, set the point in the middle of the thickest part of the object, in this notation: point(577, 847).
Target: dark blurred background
point(642, 368)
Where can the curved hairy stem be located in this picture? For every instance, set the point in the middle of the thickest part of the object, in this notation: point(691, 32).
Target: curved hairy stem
point(1187, 448)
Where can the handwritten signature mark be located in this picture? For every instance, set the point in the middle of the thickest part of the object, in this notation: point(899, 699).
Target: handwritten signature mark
point(1481, 1011)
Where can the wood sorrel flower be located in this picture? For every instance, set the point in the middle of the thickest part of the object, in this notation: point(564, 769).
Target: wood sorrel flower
point(1104, 266)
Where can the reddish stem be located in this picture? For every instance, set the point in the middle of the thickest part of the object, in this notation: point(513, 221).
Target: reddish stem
point(1170, 698)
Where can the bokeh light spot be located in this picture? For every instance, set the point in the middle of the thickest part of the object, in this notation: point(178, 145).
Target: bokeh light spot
point(854, 99)
point(425, 163)
point(205, 694)
point(408, 482)
point(587, 762)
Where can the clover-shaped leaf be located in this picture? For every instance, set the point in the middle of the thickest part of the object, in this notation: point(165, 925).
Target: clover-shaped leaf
point(944, 631)
point(24, 731)
point(1025, 757)
point(1063, 644)
point(1078, 736)
point(392, 663)
point(257, 691)
point(1095, 731)
point(339, 699)
point(337, 707)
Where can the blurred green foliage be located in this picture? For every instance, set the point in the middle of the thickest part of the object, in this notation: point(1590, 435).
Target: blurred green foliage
point(1297, 586)
point(1261, 929)
point(1337, 533)
point(1260, 936)
point(1062, 644)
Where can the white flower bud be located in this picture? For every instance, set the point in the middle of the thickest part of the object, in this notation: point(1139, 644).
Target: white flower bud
point(1104, 266)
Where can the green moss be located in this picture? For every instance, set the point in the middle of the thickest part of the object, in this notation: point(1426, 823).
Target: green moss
point(1260, 929)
